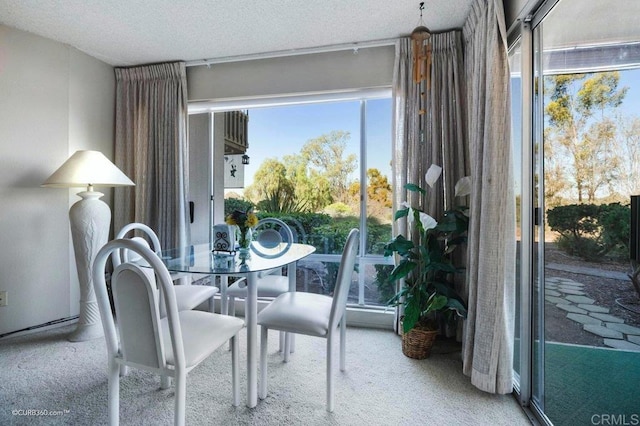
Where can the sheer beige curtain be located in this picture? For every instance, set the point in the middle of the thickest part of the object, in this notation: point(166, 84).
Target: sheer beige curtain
point(446, 130)
point(435, 137)
point(446, 119)
point(408, 147)
point(151, 148)
point(488, 333)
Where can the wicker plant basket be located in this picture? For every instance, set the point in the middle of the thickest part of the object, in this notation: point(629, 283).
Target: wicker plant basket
point(417, 343)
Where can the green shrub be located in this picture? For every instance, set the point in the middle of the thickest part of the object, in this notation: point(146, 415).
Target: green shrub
point(281, 201)
point(616, 229)
point(329, 235)
point(591, 231)
point(304, 225)
point(338, 210)
point(386, 288)
point(231, 204)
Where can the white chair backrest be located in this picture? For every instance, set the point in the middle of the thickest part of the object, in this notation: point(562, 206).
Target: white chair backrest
point(136, 303)
point(299, 235)
point(135, 226)
point(122, 255)
point(269, 234)
point(132, 256)
point(136, 300)
point(343, 279)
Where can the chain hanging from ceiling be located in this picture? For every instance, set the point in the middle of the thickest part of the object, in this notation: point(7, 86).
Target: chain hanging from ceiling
point(421, 48)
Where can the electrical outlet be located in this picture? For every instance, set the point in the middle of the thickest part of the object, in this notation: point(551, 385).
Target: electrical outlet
point(3, 298)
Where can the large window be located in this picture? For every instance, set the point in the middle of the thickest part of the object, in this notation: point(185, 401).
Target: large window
point(324, 168)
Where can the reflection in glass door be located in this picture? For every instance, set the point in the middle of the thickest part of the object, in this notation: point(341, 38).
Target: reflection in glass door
point(586, 152)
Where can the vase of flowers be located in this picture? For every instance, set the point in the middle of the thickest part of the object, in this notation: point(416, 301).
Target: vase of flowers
point(426, 268)
point(244, 222)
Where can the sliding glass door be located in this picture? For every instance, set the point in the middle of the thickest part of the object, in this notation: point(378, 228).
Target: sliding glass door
point(582, 101)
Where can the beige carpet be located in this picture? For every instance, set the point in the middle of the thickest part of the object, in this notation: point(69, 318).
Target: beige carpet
point(43, 371)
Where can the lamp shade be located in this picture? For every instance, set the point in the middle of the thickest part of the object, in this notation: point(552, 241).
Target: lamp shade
point(87, 168)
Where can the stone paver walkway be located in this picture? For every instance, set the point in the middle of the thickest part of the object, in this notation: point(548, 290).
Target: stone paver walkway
point(569, 296)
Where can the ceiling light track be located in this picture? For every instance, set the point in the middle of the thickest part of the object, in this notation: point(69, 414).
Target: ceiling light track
point(294, 52)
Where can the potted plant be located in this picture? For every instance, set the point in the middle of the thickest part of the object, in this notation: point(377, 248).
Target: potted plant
point(426, 267)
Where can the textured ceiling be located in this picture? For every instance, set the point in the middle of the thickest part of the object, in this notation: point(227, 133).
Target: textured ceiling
point(128, 32)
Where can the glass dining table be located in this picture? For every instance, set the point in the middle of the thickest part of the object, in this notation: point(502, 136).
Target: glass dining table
point(202, 259)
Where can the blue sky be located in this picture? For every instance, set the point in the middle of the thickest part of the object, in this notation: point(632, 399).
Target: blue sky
point(274, 132)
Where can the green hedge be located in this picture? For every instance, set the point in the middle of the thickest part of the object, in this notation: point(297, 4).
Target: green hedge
point(592, 232)
point(329, 235)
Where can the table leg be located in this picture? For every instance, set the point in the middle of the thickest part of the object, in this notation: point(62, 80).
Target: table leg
point(291, 274)
point(224, 302)
point(251, 319)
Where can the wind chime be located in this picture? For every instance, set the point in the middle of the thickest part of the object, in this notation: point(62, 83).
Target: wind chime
point(421, 49)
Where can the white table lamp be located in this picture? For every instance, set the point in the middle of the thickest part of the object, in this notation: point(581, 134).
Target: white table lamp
point(90, 219)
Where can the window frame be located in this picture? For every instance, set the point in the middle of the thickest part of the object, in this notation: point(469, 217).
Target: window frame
point(361, 95)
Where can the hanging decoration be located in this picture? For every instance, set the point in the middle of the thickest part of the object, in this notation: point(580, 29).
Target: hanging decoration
point(422, 66)
point(421, 51)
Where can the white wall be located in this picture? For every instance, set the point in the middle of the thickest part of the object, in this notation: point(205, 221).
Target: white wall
point(370, 67)
point(201, 131)
point(53, 101)
point(199, 188)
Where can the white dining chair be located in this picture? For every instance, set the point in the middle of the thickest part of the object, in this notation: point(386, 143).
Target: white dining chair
point(314, 315)
point(170, 346)
point(273, 238)
point(188, 296)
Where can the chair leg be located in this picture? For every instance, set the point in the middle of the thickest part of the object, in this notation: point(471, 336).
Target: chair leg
point(232, 306)
point(180, 395)
point(263, 363)
point(231, 310)
point(124, 370)
point(235, 376)
point(287, 345)
point(165, 382)
point(343, 342)
point(292, 341)
point(114, 393)
point(329, 373)
point(212, 305)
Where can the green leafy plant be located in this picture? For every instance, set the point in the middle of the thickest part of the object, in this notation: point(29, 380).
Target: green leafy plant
point(279, 200)
point(426, 265)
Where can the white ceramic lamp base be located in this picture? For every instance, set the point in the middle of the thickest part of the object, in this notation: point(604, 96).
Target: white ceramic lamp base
point(90, 219)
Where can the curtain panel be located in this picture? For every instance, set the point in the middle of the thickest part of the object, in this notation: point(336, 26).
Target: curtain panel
point(488, 333)
point(466, 131)
point(448, 136)
point(407, 150)
point(447, 132)
point(151, 148)
point(437, 136)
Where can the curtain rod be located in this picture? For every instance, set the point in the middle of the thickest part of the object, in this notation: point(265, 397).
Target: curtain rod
point(294, 52)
